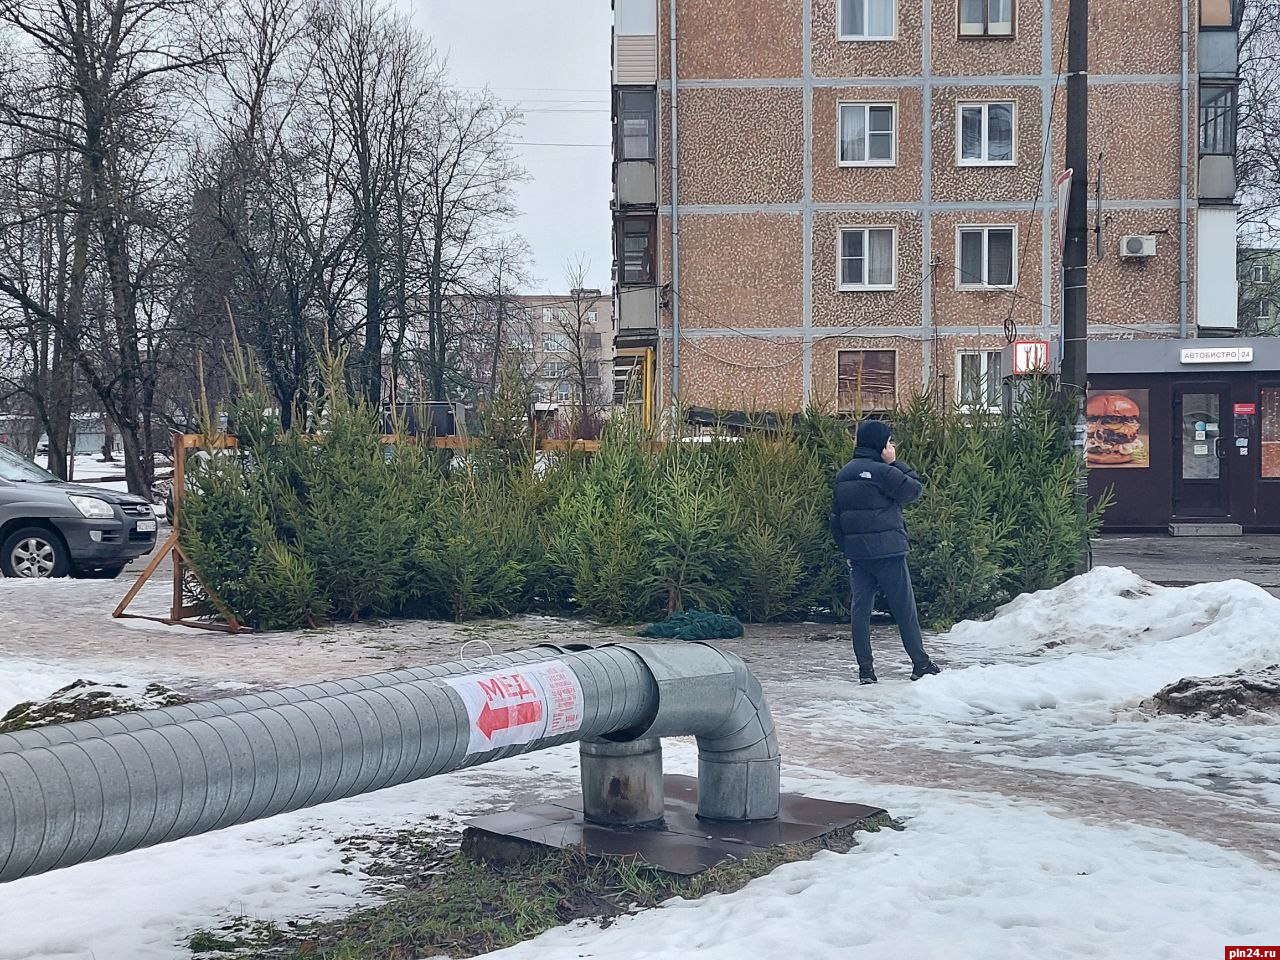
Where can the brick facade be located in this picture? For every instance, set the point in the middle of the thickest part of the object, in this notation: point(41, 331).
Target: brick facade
point(763, 194)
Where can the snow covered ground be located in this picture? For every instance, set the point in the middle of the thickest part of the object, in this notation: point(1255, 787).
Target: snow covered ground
point(1050, 813)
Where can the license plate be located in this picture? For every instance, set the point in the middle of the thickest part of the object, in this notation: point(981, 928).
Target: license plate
point(146, 526)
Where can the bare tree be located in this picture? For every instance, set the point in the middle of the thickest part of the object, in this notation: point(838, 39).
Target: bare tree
point(1258, 123)
point(577, 324)
point(107, 101)
point(468, 177)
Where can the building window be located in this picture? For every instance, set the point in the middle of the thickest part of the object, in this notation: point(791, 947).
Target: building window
point(565, 391)
point(1269, 403)
point(554, 343)
point(985, 257)
point(1216, 13)
point(1217, 120)
point(986, 18)
point(1260, 273)
point(636, 241)
point(985, 133)
point(866, 380)
point(867, 134)
point(978, 379)
point(868, 258)
point(594, 341)
point(592, 317)
point(868, 19)
point(636, 140)
point(555, 370)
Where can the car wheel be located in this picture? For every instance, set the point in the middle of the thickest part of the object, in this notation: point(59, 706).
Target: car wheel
point(103, 573)
point(34, 553)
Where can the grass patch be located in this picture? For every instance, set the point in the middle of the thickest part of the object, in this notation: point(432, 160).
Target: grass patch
point(444, 901)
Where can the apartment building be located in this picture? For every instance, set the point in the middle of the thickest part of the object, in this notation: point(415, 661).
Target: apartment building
point(567, 343)
point(862, 200)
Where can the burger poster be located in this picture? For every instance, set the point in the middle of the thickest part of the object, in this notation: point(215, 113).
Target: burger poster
point(1118, 434)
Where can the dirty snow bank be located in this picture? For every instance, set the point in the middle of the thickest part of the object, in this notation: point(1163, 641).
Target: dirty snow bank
point(88, 700)
point(22, 681)
point(1056, 681)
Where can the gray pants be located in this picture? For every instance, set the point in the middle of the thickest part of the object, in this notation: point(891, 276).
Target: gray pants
point(892, 578)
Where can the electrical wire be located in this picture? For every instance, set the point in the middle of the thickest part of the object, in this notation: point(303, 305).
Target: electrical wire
point(1010, 326)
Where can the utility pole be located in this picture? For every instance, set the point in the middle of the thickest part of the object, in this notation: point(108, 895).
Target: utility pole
point(1075, 256)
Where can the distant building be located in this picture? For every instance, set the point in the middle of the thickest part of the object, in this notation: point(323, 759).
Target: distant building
point(862, 201)
point(568, 344)
point(1259, 275)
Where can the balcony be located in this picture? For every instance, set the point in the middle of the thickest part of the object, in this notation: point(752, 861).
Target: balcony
point(635, 184)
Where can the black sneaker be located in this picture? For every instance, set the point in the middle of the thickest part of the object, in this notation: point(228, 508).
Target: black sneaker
point(867, 676)
point(928, 670)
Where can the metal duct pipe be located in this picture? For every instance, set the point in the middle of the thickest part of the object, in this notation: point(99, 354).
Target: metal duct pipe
point(203, 709)
point(91, 798)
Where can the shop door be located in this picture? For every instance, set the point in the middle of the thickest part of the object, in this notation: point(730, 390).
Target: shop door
point(1201, 461)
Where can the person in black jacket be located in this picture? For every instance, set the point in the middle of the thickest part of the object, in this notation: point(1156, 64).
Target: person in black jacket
point(867, 522)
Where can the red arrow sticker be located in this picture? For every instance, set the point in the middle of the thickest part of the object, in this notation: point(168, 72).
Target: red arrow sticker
point(493, 719)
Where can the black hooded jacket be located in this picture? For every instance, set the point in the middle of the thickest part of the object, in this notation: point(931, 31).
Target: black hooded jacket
point(867, 502)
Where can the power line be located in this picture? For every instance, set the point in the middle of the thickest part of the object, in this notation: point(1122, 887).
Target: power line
point(1010, 327)
point(537, 143)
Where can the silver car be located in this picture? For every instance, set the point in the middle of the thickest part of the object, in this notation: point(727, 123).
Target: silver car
point(50, 528)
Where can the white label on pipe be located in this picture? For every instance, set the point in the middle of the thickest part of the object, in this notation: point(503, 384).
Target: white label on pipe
point(518, 706)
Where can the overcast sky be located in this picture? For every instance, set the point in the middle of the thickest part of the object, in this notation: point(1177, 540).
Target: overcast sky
point(550, 58)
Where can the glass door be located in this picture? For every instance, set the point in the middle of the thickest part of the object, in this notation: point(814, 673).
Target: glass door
point(1201, 451)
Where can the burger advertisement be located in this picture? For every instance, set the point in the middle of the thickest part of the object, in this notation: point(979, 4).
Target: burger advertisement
point(1117, 431)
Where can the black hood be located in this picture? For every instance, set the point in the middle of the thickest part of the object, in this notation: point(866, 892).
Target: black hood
point(873, 435)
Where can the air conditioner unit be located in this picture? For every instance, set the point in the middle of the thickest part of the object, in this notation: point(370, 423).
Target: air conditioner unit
point(1137, 246)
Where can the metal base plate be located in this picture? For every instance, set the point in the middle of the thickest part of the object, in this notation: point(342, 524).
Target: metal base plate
point(683, 844)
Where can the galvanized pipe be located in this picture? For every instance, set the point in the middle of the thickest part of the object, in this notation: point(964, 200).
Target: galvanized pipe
point(622, 782)
point(203, 709)
point(85, 799)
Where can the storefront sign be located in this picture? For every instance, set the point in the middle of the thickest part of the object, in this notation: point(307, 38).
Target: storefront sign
point(1246, 409)
point(1217, 355)
point(1030, 356)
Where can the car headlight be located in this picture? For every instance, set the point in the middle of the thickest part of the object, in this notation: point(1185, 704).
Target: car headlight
point(92, 508)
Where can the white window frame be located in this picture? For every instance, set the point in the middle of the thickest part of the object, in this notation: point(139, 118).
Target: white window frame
point(986, 105)
point(843, 287)
point(864, 38)
point(986, 228)
point(984, 364)
point(555, 342)
point(1259, 273)
point(985, 33)
point(866, 106)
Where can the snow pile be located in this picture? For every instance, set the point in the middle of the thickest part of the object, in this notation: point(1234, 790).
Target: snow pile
point(22, 681)
point(88, 700)
point(1056, 681)
point(1099, 642)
